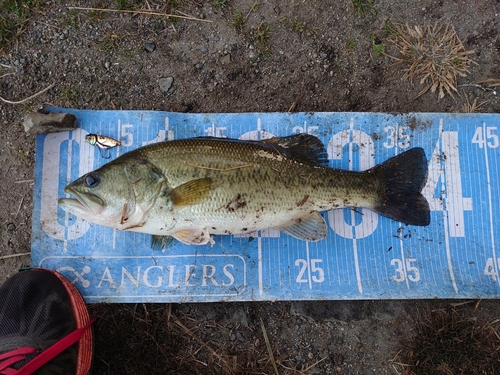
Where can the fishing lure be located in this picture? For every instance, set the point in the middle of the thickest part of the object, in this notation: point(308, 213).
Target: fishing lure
point(102, 142)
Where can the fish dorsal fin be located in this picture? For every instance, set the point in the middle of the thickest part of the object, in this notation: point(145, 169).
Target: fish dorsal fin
point(311, 228)
point(190, 193)
point(305, 147)
point(194, 236)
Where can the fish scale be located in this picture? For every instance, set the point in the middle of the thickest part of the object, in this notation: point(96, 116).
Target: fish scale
point(282, 185)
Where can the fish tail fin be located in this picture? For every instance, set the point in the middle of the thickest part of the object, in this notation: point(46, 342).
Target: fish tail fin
point(401, 180)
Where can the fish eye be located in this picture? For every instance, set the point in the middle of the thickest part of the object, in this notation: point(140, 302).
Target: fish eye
point(91, 181)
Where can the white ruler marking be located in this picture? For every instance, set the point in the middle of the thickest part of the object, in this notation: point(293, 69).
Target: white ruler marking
point(68, 178)
point(356, 259)
point(353, 218)
point(259, 262)
point(490, 204)
point(117, 154)
point(400, 227)
point(447, 197)
point(308, 260)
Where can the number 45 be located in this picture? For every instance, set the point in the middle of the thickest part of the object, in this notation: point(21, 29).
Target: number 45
point(489, 139)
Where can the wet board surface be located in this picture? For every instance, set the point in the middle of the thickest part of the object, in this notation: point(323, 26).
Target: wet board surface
point(365, 256)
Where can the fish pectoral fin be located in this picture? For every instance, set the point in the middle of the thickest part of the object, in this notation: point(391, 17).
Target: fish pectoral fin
point(190, 193)
point(310, 228)
point(195, 236)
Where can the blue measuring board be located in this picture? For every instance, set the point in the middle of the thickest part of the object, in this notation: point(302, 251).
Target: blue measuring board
point(365, 256)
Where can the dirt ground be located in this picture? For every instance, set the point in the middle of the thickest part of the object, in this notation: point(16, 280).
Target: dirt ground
point(233, 56)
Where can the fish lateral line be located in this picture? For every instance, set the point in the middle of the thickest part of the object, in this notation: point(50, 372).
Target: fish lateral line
point(217, 169)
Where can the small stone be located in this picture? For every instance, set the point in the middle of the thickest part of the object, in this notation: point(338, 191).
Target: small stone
point(11, 227)
point(387, 311)
point(370, 339)
point(224, 60)
point(323, 55)
point(166, 84)
point(150, 47)
point(211, 314)
point(42, 109)
point(49, 123)
point(240, 317)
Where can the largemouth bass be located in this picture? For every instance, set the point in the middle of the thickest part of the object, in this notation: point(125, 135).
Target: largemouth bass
point(194, 188)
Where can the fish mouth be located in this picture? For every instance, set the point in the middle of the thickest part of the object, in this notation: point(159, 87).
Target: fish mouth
point(86, 203)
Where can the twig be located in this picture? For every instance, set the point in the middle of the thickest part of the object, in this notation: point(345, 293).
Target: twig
point(477, 306)
point(20, 204)
point(14, 255)
point(460, 303)
point(269, 349)
point(169, 312)
point(395, 369)
point(29, 98)
point(303, 371)
point(315, 363)
point(479, 87)
point(157, 344)
point(251, 9)
point(492, 82)
point(23, 181)
point(140, 12)
point(49, 25)
point(188, 331)
point(295, 105)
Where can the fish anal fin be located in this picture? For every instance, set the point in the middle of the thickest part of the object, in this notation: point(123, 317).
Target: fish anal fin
point(304, 147)
point(310, 228)
point(190, 193)
point(193, 236)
